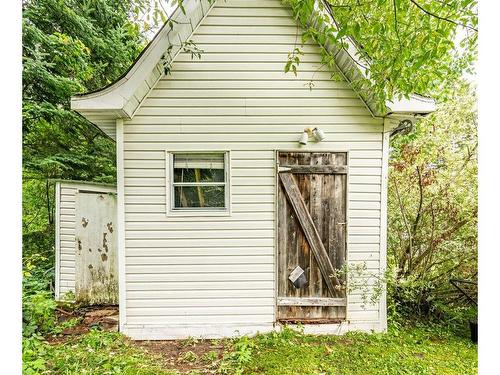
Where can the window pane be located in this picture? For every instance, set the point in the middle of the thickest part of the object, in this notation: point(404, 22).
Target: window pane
point(199, 196)
point(198, 175)
point(199, 167)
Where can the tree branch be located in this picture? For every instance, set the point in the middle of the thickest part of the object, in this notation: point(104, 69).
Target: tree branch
point(420, 202)
point(441, 18)
point(396, 23)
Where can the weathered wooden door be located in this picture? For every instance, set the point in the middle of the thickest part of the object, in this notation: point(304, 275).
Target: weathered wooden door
point(311, 236)
point(96, 264)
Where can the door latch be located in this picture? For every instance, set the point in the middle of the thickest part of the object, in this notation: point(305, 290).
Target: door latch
point(284, 169)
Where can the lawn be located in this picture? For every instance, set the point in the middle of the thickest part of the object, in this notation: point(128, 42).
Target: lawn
point(404, 351)
point(410, 350)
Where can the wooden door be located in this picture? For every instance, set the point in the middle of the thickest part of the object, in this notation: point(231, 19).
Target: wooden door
point(312, 236)
point(96, 263)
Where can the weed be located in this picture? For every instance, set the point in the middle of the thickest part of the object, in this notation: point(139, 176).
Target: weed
point(210, 356)
point(238, 357)
point(190, 341)
point(215, 342)
point(99, 353)
point(188, 357)
point(38, 313)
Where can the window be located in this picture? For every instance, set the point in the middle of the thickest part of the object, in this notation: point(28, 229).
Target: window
point(199, 181)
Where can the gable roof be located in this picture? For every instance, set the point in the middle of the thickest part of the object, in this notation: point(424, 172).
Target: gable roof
point(123, 98)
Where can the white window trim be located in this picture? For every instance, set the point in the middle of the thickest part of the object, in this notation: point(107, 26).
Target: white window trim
point(196, 212)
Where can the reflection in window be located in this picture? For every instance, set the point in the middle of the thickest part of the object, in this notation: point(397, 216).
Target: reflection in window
point(199, 180)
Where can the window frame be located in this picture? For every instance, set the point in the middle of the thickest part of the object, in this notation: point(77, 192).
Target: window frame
point(171, 210)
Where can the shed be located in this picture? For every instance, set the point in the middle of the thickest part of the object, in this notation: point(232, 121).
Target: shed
point(85, 250)
point(227, 224)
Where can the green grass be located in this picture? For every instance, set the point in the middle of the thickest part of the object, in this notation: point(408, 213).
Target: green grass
point(410, 350)
point(415, 350)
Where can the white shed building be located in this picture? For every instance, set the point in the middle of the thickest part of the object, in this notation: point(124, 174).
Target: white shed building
point(226, 224)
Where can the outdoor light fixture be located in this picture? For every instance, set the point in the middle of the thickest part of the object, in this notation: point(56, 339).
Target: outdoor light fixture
point(304, 138)
point(316, 133)
point(404, 127)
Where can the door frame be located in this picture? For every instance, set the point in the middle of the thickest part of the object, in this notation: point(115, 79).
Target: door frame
point(275, 240)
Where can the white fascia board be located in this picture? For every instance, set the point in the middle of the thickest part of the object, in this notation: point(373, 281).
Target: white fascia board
point(415, 104)
point(101, 114)
point(98, 103)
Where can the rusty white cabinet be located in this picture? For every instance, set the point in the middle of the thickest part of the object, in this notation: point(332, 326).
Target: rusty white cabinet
point(86, 251)
point(96, 267)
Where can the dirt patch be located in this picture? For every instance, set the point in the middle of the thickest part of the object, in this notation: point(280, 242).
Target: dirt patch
point(102, 317)
point(186, 355)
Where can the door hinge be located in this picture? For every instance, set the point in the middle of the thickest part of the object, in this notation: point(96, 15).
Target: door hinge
point(284, 169)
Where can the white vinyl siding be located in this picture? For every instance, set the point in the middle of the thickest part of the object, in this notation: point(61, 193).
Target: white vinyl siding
point(66, 240)
point(193, 271)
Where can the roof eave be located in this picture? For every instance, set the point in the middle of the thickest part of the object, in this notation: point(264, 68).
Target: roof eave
point(413, 105)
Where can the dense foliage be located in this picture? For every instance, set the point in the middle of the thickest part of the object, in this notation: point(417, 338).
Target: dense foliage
point(69, 47)
point(413, 46)
point(433, 208)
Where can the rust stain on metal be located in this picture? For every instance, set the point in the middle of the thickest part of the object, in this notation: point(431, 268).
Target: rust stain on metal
point(96, 281)
point(85, 222)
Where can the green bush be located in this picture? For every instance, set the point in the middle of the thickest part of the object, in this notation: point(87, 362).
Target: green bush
point(35, 352)
point(432, 209)
point(39, 313)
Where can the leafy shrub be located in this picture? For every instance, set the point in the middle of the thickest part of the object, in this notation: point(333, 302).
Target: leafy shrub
point(432, 209)
point(35, 352)
point(38, 313)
